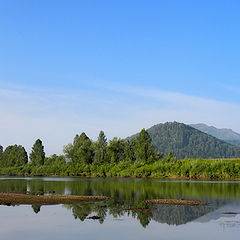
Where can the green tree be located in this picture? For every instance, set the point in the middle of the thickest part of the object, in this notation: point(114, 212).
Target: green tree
point(129, 153)
point(37, 156)
point(68, 150)
point(115, 150)
point(55, 159)
point(50, 160)
point(100, 148)
point(81, 151)
point(1, 153)
point(14, 155)
point(143, 147)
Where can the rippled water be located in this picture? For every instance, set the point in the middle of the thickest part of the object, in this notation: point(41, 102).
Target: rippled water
point(125, 215)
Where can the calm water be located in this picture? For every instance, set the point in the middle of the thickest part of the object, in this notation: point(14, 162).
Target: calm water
point(120, 217)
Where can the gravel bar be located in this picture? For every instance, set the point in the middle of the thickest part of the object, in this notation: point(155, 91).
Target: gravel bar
point(18, 198)
point(175, 202)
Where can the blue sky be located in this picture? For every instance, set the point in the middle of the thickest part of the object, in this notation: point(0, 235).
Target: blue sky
point(72, 66)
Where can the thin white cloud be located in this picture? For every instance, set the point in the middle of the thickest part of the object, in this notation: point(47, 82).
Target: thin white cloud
point(56, 116)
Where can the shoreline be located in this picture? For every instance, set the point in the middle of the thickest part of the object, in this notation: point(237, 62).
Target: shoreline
point(124, 177)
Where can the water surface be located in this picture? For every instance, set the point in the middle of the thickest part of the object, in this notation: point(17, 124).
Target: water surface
point(125, 215)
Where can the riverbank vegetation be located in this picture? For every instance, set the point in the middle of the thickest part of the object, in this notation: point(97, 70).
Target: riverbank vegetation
point(135, 157)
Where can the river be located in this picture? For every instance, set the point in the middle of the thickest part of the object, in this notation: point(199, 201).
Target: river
point(125, 215)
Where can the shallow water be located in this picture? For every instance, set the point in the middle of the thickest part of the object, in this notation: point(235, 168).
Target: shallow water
point(119, 217)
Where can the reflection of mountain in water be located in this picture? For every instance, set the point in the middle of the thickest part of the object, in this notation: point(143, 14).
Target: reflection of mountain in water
point(228, 210)
point(162, 213)
point(181, 214)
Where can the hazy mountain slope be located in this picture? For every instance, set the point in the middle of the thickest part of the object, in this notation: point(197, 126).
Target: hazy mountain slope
point(187, 142)
point(224, 134)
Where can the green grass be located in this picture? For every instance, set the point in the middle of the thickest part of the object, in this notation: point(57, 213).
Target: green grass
point(189, 168)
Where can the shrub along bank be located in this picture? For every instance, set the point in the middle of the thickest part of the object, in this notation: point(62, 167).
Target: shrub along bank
point(188, 168)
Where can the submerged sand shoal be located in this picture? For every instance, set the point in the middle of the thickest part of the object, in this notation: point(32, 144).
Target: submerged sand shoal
point(175, 202)
point(18, 198)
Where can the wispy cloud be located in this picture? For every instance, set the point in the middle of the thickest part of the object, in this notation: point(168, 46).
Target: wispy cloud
point(56, 116)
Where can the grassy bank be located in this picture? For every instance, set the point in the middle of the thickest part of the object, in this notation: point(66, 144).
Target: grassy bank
point(188, 168)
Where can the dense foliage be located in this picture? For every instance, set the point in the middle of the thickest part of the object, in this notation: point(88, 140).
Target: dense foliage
point(14, 155)
point(37, 156)
point(81, 151)
point(100, 148)
point(143, 147)
point(133, 157)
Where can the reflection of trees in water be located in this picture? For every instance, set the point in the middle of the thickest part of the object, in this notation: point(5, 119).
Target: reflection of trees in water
point(130, 195)
point(112, 208)
point(148, 189)
point(13, 186)
point(127, 196)
point(126, 189)
point(83, 211)
point(36, 208)
point(45, 187)
point(39, 187)
point(144, 213)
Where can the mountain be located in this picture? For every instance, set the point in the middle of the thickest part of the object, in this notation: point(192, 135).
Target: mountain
point(187, 142)
point(225, 134)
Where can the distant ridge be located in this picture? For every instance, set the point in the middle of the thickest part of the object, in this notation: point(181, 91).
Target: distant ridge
point(185, 141)
point(225, 134)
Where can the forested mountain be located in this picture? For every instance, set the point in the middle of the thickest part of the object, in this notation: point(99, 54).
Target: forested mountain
point(225, 134)
point(187, 142)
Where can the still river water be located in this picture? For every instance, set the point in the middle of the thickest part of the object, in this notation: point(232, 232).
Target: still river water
point(120, 217)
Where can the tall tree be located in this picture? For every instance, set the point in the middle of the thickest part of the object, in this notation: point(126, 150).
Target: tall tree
point(143, 147)
point(129, 153)
point(1, 153)
point(115, 150)
point(14, 155)
point(100, 148)
point(37, 156)
point(81, 151)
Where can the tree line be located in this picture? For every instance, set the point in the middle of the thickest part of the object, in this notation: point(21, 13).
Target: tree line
point(84, 151)
point(132, 157)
